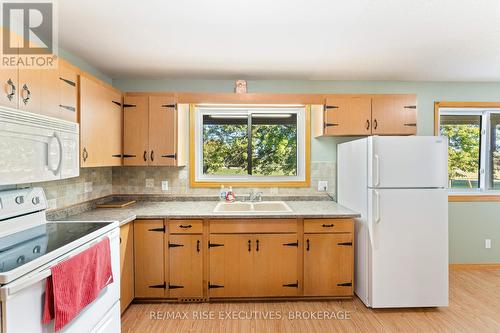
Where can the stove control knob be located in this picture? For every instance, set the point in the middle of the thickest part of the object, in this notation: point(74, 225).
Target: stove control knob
point(37, 249)
point(19, 199)
point(21, 259)
point(35, 200)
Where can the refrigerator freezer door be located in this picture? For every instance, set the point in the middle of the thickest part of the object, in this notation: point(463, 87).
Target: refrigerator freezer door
point(407, 162)
point(409, 256)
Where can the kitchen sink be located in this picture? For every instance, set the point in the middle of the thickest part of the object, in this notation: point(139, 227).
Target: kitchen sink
point(252, 207)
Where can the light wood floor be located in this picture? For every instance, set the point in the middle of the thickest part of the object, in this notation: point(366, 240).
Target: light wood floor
point(474, 307)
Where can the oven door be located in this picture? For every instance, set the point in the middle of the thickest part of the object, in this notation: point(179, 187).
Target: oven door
point(22, 300)
point(35, 148)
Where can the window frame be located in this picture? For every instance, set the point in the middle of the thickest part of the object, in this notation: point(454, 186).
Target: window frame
point(483, 193)
point(198, 179)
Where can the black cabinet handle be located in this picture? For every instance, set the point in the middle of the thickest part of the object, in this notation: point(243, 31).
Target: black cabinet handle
point(145, 156)
point(328, 225)
point(367, 124)
point(257, 246)
point(10, 95)
point(185, 226)
point(152, 155)
point(85, 154)
point(198, 245)
point(174, 156)
point(375, 124)
point(307, 242)
point(249, 245)
point(28, 94)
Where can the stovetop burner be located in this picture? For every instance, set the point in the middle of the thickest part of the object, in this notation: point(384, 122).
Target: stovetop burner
point(24, 246)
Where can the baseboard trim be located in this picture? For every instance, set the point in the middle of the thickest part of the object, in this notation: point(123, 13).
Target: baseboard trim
point(476, 266)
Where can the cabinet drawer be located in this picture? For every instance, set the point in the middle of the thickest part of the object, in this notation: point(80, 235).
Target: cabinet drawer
point(185, 226)
point(253, 226)
point(328, 225)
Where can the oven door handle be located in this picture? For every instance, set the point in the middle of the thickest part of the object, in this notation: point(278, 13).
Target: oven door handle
point(23, 283)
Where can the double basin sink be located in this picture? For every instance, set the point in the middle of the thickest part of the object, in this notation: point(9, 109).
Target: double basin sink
point(253, 207)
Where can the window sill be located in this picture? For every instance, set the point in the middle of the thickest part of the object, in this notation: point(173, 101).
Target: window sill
point(467, 197)
point(305, 183)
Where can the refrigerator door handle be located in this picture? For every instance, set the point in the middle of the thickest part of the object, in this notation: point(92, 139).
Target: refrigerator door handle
point(377, 205)
point(376, 167)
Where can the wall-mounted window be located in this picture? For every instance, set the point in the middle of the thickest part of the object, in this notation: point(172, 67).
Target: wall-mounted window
point(474, 148)
point(241, 145)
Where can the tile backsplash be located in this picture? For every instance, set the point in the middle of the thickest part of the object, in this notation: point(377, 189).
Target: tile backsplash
point(133, 180)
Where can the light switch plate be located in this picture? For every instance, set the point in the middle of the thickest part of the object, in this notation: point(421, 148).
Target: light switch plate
point(150, 182)
point(87, 187)
point(164, 185)
point(322, 186)
point(487, 243)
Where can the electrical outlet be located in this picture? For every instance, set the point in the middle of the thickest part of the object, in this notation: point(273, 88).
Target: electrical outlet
point(487, 243)
point(52, 203)
point(322, 186)
point(87, 187)
point(164, 185)
point(150, 182)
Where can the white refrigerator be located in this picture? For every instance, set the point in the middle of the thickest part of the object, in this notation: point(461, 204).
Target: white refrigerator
point(398, 184)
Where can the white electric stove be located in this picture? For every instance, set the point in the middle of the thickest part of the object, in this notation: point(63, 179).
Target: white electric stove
point(30, 246)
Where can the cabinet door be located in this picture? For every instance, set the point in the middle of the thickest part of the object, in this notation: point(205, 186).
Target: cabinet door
point(113, 115)
point(10, 88)
point(49, 96)
point(93, 130)
point(126, 265)
point(68, 91)
point(162, 130)
point(347, 115)
point(148, 258)
point(135, 130)
point(231, 266)
point(328, 264)
point(30, 89)
point(394, 115)
point(186, 262)
point(276, 259)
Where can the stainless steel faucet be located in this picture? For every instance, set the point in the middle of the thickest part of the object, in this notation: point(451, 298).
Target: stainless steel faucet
point(255, 196)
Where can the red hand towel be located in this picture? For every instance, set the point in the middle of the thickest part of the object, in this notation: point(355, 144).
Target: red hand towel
point(75, 283)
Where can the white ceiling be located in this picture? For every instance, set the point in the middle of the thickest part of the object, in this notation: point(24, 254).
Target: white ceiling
point(424, 40)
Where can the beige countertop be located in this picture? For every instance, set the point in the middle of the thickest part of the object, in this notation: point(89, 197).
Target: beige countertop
point(205, 209)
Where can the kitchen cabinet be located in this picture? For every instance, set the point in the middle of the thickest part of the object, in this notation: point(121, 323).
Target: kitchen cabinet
point(126, 265)
point(101, 120)
point(154, 131)
point(68, 92)
point(347, 115)
point(253, 265)
point(185, 266)
point(149, 258)
point(394, 115)
point(328, 258)
point(355, 115)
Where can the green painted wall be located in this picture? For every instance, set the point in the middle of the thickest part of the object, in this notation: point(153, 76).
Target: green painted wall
point(470, 223)
point(82, 64)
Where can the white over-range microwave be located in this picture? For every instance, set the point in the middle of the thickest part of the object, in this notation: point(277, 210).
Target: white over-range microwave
point(35, 148)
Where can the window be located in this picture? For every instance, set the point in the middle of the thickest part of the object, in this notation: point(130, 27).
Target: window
point(258, 144)
point(474, 148)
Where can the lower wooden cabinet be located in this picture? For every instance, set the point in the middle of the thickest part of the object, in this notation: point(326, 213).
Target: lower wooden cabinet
point(149, 258)
point(328, 264)
point(126, 265)
point(170, 258)
point(185, 256)
point(256, 265)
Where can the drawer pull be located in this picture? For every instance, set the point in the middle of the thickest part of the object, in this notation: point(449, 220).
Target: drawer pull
point(257, 246)
point(328, 225)
point(307, 247)
point(249, 245)
point(185, 226)
point(198, 245)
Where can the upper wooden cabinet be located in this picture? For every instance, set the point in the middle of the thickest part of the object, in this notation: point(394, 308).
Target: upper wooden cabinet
point(101, 120)
point(154, 131)
point(52, 92)
point(352, 115)
point(394, 115)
